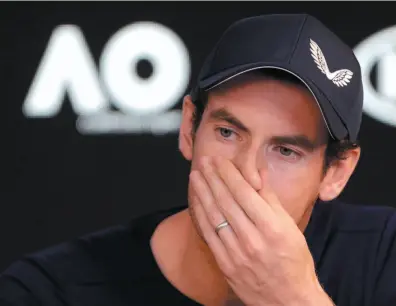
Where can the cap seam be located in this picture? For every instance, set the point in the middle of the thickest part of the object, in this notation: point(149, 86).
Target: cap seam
point(334, 107)
point(298, 39)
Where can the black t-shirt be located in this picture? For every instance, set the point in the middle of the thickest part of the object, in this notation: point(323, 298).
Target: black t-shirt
point(354, 248)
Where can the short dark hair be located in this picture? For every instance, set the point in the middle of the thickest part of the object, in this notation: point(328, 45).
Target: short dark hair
point(335, 149)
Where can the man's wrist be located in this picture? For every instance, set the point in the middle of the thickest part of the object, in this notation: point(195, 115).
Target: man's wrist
point(316, 296)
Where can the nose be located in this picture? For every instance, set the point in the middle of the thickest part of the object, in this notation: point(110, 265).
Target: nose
point(247, 164)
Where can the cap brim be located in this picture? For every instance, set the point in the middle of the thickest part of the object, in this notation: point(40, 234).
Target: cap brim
point(333, 122)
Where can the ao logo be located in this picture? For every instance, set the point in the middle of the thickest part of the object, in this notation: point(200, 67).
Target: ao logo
point(379, 49)
point(67, 66)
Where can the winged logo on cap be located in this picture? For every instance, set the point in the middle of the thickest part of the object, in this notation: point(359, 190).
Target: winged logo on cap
point(340, 77)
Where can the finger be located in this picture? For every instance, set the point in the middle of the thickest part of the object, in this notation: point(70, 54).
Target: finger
point(220, 243)
point(204, 194)
point(208, 202)
point(216, 246)
point(243, 227)
point(249, 200)
point(268, 194)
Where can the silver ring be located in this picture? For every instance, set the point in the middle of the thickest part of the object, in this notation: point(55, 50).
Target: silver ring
point(220, 226)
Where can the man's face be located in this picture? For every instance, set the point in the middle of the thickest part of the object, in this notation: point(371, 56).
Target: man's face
point(272, 131)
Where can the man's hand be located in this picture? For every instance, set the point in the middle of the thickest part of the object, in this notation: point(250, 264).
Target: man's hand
point(262, 252)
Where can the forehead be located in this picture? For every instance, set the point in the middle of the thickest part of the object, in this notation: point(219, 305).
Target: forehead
point(273, 105)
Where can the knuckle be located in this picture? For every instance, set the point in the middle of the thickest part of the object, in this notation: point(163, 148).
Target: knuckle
point(254, 249)
point(215, 219)
point(242, 261)
point(229, 270)
point(274, 234)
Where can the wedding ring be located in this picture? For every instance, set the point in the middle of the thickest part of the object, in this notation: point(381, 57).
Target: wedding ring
point(220, 226)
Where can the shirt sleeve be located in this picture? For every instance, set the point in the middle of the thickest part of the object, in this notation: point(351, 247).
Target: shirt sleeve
point(385, 288)
point(14, 293)
point(26, 283)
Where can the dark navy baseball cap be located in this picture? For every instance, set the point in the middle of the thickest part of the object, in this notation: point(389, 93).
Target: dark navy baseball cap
point(298, 44)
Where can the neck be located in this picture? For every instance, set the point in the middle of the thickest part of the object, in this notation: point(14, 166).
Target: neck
point(187, 262)
point(204, 263)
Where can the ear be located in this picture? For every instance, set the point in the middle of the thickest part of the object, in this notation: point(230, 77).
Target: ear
point(338, 175)
point(185, 133)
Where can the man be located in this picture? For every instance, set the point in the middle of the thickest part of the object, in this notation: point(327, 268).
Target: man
point(271, 131)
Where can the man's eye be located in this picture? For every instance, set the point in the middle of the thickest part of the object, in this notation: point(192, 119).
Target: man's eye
point(226, 133)
point(286, 151)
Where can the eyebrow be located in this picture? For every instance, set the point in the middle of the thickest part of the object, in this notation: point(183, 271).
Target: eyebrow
point(223, 114)
point(301, 141)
